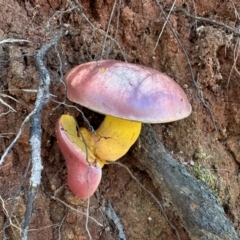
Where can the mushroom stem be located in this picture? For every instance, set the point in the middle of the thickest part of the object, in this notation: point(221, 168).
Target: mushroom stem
point(112, 139)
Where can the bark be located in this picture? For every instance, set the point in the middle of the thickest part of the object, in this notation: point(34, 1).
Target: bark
point(199, 209)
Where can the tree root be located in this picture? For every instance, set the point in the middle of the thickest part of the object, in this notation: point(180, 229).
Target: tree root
point(199, 209)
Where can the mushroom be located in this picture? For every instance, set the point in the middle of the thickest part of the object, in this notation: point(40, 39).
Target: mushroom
point(128, 95)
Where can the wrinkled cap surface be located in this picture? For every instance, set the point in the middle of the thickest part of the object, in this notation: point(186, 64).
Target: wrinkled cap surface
point(127, 91)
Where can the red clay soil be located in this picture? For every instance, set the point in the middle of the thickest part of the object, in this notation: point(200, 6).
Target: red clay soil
point(207, 142)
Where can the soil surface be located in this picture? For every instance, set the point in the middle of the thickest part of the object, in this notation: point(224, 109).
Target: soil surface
point(207, 142)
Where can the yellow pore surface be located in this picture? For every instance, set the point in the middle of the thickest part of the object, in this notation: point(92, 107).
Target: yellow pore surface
point(69, 126)
point(111, 140)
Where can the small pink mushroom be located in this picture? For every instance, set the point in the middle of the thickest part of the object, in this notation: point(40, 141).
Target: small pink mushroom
point(83, 177)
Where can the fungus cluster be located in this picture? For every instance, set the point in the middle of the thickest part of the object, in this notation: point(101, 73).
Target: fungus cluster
point(128, 95)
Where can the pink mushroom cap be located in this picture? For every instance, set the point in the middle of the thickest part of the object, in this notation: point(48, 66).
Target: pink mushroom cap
point(127, 91)
point(82, 179)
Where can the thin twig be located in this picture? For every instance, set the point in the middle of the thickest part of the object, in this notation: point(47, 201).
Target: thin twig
point(117, 28)
point(108, 27)
point(12, 40)
point(5, 103)
point(43, 97)
point(6, 213)
point(59, 228)
point(235, 58)
point(164, 25)
point(76, 210)
point(13, 198)
point(88, 186)
point(58, 14)
point(208, 20)
point(87, 179)
point(21, 129)
point(80, 111)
